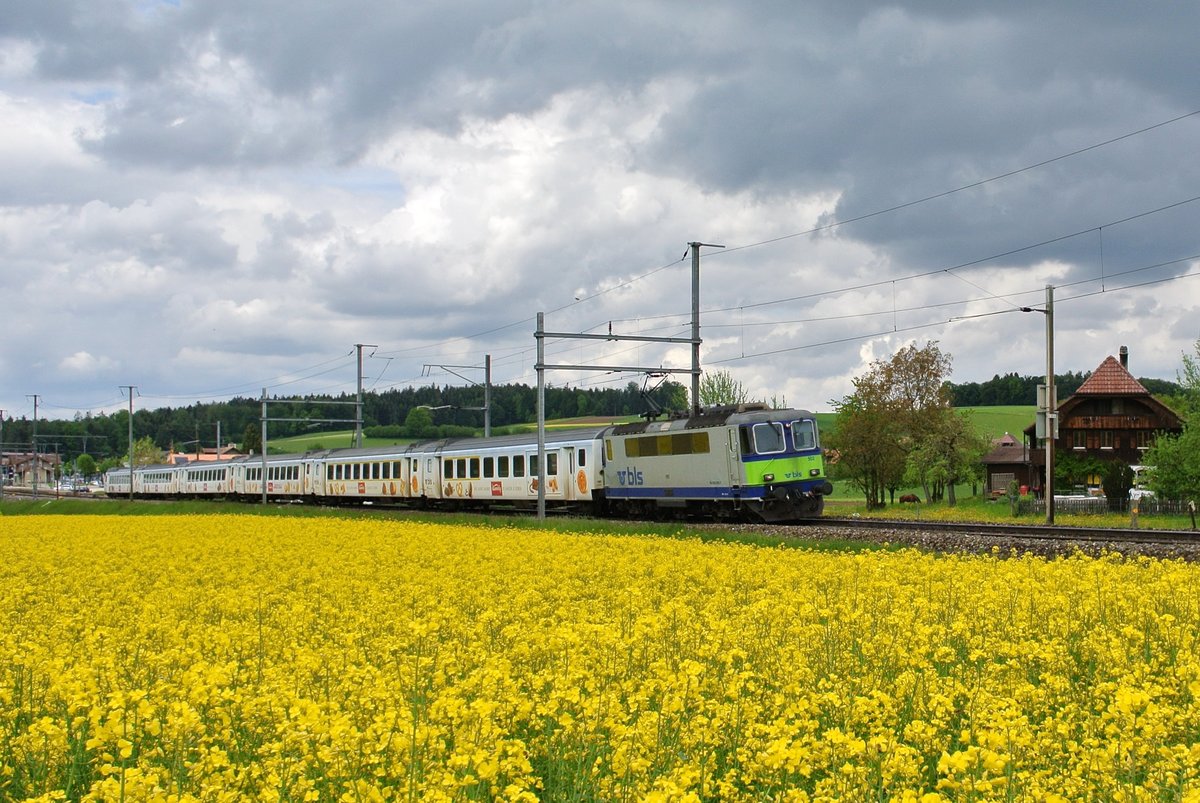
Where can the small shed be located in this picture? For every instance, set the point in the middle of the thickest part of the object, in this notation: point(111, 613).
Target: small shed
point(1008, 460)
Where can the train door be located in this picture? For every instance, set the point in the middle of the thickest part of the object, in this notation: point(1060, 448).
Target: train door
point(733, 458)
point(432, 475)
point(569, 456)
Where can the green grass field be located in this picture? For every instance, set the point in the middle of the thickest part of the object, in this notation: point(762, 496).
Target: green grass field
point(995, 421)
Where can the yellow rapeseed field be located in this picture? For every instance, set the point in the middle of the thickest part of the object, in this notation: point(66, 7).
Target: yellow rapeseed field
point(233, 658)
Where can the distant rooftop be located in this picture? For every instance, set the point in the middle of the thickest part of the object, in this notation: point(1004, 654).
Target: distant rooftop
point(1111, 379)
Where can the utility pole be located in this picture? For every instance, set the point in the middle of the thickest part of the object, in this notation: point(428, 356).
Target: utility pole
point(264, 445)
point(487, 395)
point(36, 467)
point(3, 470)
point(131, 389)
point(1051, 405)
point(1047, 414)
point(487, 388)
point(541, 419)
point(696, 321)
point(359, 408)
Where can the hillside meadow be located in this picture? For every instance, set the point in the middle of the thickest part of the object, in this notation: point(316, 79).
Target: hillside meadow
point(280, 658)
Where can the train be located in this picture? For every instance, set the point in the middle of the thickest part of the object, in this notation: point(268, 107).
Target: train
point(743, 462)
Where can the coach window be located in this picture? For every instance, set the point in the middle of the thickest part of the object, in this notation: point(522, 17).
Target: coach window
point(768, 438)
point(489, 467)
point(473, 463)
point(502, 466)
point(582, 458)
point(518, 465)
point(551, 464)
point(447, 469)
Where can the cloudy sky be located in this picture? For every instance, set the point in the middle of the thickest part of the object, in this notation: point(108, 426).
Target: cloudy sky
point(204, 198)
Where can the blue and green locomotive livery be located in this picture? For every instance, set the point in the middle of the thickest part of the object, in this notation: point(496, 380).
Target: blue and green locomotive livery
point(744, 461)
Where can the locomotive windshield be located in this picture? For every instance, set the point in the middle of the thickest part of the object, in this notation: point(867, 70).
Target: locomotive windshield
point(771, 437)
point(768, 438)
point(804, 435)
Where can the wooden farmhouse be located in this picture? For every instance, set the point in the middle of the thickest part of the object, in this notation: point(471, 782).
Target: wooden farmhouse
point(1111, 417)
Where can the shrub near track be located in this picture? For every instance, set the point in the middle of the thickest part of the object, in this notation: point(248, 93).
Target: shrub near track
point(232, 657)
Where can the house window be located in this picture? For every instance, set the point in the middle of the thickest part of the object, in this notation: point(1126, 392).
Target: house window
point(1143, 439)
point(1106, 439)
point(1079, 439)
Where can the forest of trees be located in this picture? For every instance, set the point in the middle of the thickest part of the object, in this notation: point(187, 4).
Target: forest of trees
point(107, 436)
point(1014, 389)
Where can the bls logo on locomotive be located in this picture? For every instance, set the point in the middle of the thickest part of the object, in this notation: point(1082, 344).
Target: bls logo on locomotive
point(631, 476)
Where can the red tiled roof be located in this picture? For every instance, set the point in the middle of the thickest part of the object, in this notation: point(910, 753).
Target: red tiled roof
point(1111, 379)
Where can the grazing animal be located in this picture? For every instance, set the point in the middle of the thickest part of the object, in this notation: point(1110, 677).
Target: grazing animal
point(909, 498)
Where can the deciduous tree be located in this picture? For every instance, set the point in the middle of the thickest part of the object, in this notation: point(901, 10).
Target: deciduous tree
point(1174, 461)
point(719, 387)
point(899, 411)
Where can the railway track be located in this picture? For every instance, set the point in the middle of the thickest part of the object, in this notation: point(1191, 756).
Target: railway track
point(1031, 532)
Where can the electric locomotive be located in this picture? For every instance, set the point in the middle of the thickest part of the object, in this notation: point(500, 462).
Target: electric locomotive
point(744, 461)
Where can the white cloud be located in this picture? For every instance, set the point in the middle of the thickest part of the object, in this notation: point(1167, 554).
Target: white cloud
point(85, 364)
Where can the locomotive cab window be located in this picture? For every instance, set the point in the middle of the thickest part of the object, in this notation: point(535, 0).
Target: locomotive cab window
point(768, 438)
point(804, 436)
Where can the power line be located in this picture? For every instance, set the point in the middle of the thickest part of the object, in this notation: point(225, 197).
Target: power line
point(970, 186)
point(956, 319)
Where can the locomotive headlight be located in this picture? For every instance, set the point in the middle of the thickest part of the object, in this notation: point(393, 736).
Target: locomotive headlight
point(814, 472)
point(768, 478)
